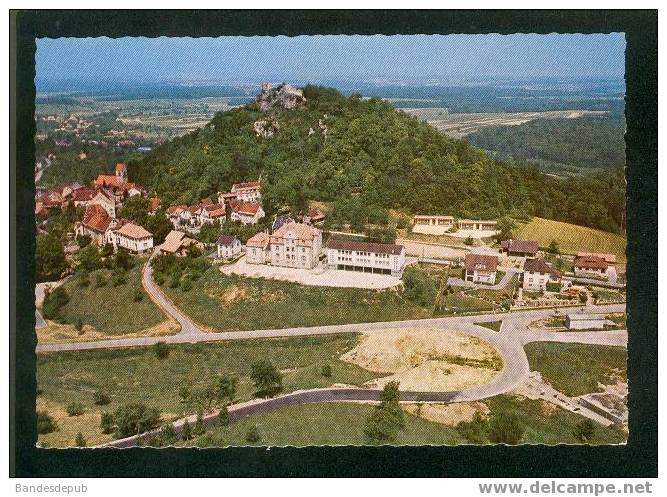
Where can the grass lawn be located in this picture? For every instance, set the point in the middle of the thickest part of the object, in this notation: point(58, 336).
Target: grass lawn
point(571, 237)
point(111, 309)
point(232, 302)
point(343, 424)
point(460, 302)
point(492, 325)
point(576, 369)
point(136, 375)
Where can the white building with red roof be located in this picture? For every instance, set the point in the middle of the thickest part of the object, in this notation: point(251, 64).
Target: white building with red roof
point(246, 212)
point(481, 268)
point(257, 249)
point(132, 237)
point(537, 274)
point(366, 257)
point(249, 191)
point(97, 224)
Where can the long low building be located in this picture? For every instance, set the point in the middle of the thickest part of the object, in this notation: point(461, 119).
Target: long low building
point(350, 255)
point(432, 224)
point(477, 225)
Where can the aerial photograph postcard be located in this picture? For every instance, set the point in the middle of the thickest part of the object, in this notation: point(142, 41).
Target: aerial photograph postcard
point(330, 240)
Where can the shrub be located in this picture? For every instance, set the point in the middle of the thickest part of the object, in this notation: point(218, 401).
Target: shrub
point(84, 280)
point(199, 428)
point(138, 295)
point(326, 371)
point(101, 399)
point(78, 325)
point(584, 431)
point(186, 284)
point(161, 350)
point(106, 423)
point(54, 301)
point(133, 419)
point(186, 432)
point(74, 409)
point(553, 286)
point(118, 278)
point(468, 241)
point(167, 435)
point(253, 435)
point(45, 423)
point(83, 240)
point(100, 281)
point(80, 441)
point(506, 429)
point(266, 378)
point(419, 287)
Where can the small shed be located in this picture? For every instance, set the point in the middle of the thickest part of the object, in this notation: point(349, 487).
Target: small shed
point(581, 321)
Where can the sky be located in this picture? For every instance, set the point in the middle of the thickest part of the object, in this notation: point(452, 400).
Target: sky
point(341, 57)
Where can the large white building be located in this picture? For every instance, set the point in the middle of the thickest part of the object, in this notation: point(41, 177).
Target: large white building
point(432, 224)
point(250, 191)
point(351, 255)
point(295, 245)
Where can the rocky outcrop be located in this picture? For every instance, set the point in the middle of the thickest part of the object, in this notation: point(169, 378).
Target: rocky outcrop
point(284, 95)
point(266, 128)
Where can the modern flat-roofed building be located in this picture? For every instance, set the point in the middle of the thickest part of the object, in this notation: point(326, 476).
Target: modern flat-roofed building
point(351, 255)
point(432, 224)
point(476, 225)
point(582, 321)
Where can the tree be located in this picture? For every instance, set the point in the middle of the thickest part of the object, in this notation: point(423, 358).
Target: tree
point(78, 325)
point(505, 227)
point(107, 250)
point(223, 415)
point(584, 431)
point(253, 436)
point(122, 260)
point(50, 262)
point(506, 429)
point(161, 350)
point(79, 440)
point(107, 424)
point(199, 425)
point(419, 287)
point(89, 259)
point(159, 225)
point(209, 233)
point(554, 247)
point(267, 378)
point(326, 371)
point(219, 392)
point(74, 409)
point(45, 423)
point(135, 208)
point(469, 240)
point(186, 431)
point(386, 420)
point(381, 235)
point(54, 301)
point(133, 419)
point(83, 240)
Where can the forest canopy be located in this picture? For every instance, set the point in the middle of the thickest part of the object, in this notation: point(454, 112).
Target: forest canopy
point(334, 148)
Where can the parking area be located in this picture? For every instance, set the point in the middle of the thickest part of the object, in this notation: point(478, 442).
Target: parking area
point(320, 276)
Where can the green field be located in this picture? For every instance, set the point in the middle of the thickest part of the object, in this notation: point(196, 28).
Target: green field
point(343, 424)
point(232, 303)
point(576, 369)
point(137, 375)
point(571, 237)
point(111, 309)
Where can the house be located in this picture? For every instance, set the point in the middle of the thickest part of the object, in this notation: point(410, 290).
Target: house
point(379, 258)
point(250, 191)
point(99, 196)
point(212, 213)
point(313, 216)
point(295, 245)
point(610, 259)
point(257, 249)
point(132, 237)
point(96, 223)
point(226, 197)
point(590, 266)
point(476, 225)
point(432, 225)
point(118, 183)
point(519, 248)
point(228, 246)
point(580, 321)
point(538, 275)
point(174, 213)
point(153, 204)
point(481, 268)
point(178, 243)
point(65, 190)
point(246, 212)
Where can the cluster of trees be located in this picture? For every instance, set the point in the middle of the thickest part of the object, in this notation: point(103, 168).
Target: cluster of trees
point(372, 156)
point(179, 272)
point(136, 208)
point(589, 142)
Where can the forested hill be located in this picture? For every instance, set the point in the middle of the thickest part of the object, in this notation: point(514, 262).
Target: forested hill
point(331, 146)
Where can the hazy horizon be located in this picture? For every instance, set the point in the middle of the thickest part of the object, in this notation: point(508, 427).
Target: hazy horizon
point(438, 59)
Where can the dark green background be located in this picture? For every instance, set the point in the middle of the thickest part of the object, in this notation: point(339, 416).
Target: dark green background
point(637, 458)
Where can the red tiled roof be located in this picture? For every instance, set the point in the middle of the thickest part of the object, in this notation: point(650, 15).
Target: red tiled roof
point(174, 209)
point(153, 203)
point(84, 194)
point(96, 218)
point(520, 246)
point(538, 265)
point(481, 262)
point(120, 166)
point(259, 240)
point(250, 208)
point(608, 258)
point(247, 185)
point(359, 246)
point(226, 240)
point(134, 231)
point(299, 230)
point(590, 262)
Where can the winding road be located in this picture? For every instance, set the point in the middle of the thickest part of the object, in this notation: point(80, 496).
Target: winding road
point(509, 342)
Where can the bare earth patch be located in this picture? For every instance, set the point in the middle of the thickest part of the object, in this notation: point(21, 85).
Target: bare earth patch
point(63, 333)
point(426, 359)
point(448, 414)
